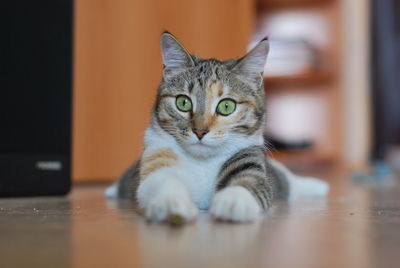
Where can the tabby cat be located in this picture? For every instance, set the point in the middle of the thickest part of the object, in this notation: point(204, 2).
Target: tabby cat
point(204, 147)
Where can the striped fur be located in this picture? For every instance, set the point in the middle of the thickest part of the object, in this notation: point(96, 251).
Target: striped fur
point(248, 169)
point(225, 169)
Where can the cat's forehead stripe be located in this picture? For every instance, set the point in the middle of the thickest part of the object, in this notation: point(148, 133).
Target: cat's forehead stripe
point(201, 101)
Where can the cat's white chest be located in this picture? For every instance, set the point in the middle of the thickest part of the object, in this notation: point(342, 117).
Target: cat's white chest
point(200, 178)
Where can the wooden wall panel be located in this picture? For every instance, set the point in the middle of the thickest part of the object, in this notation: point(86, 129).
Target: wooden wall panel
point(118, 67)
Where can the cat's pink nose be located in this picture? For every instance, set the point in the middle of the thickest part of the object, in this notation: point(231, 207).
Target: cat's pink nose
point(200, 133)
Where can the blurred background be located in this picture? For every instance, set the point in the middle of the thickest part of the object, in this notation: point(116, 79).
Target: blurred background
point(331, 80)
point(318, 82)
point(317, 78)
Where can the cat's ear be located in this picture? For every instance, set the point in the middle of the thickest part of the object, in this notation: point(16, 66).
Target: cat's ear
point(251, 66)
point(174, 55)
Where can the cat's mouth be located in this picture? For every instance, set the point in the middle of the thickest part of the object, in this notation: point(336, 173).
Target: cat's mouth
point(201, 144)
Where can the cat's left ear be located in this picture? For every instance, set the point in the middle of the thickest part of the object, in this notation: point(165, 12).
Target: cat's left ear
point(251, 66)
point(174, 55)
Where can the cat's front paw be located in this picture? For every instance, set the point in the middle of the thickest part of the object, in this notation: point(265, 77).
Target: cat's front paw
point(235, 203)
point(169, 207)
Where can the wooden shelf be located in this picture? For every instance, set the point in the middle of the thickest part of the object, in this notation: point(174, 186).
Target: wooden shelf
point(301, 157)
point(312, 78)
point(317, 80)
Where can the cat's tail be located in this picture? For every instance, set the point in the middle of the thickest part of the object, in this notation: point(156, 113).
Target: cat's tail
point(300, 186)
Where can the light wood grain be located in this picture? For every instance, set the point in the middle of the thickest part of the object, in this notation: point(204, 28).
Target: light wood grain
point(356, 226)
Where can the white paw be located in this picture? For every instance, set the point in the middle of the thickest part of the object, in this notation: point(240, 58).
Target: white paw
point(235, 203)
point(165, 205)
point(307, 187)
point(163, 198)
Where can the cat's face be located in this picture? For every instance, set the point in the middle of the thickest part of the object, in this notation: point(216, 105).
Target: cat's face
point(207, 104)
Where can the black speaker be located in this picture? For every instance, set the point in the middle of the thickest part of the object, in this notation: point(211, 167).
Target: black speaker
point(35, 97)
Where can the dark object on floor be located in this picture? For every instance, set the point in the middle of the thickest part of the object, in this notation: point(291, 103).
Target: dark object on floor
point(176, 220)
point(374, 173)
point(278, 144)
point(35, 100)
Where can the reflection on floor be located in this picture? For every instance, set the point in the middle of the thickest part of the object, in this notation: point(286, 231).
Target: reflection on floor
point(357, 226)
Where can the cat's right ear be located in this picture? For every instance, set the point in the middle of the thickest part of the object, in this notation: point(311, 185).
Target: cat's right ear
point(174, 55)
point(251, 66)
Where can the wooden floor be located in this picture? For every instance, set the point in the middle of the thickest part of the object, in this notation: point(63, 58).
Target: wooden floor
point(357, 226)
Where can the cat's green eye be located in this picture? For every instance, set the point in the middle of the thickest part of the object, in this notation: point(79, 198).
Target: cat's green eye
point(183, 103)
point(226, 107)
